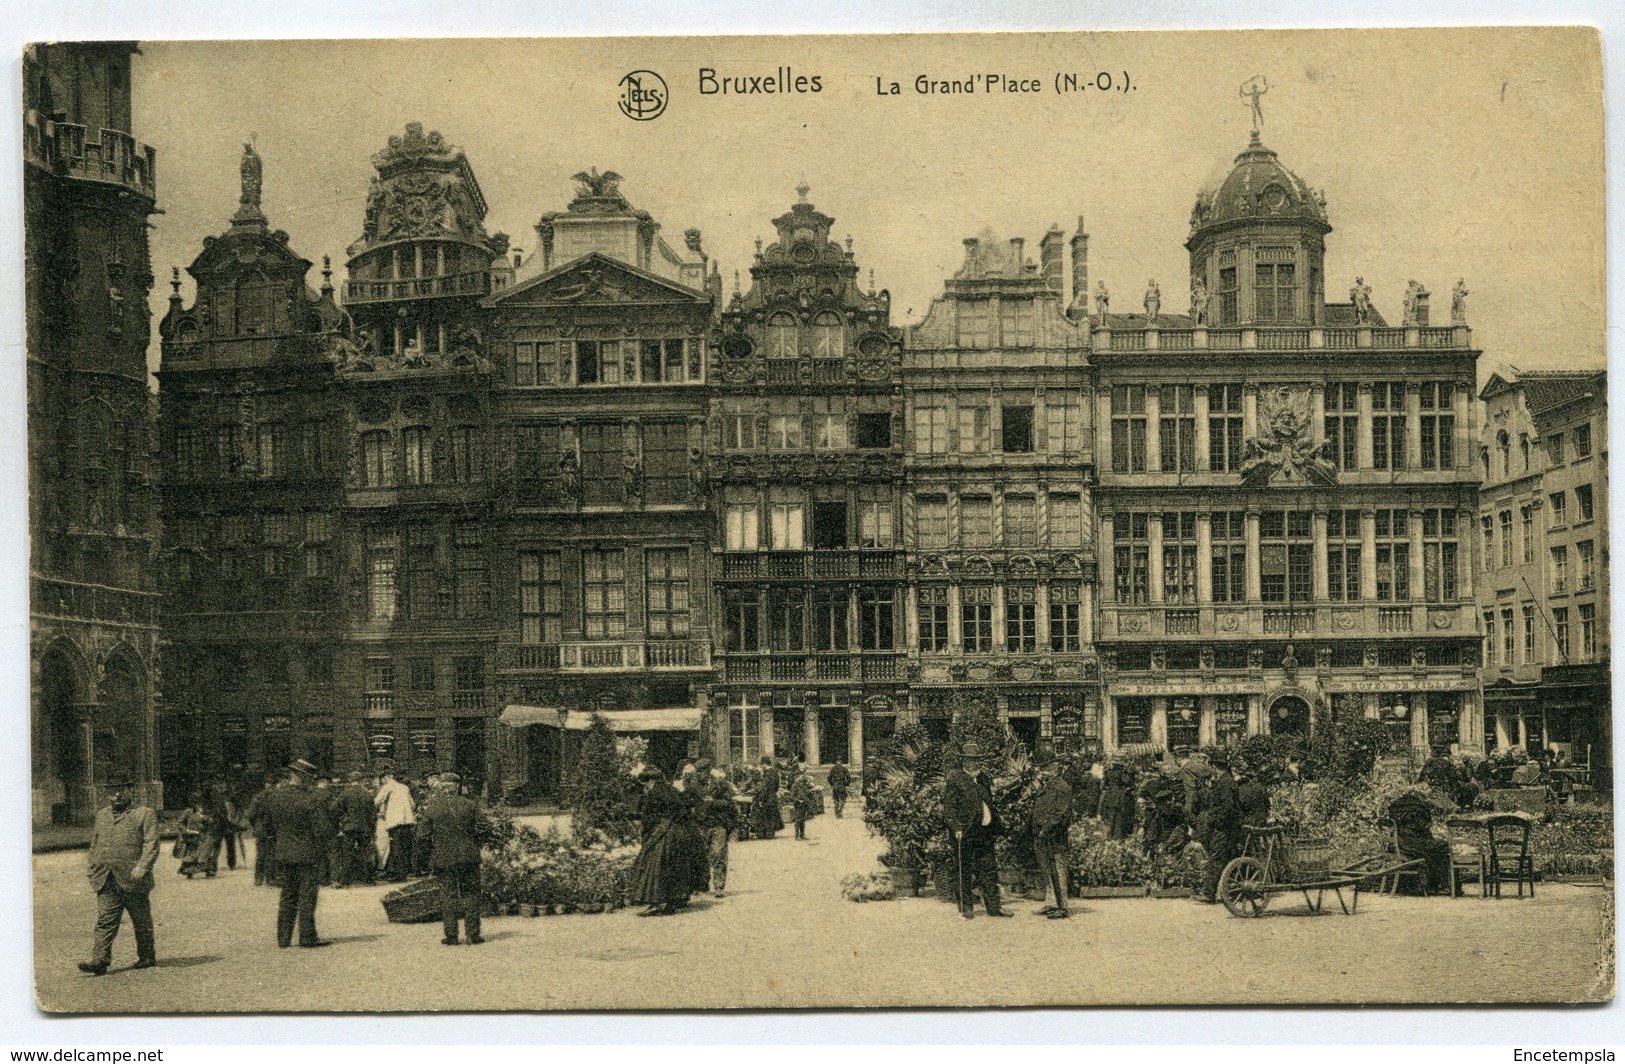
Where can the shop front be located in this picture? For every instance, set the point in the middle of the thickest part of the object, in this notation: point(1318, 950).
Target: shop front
point(544, 742)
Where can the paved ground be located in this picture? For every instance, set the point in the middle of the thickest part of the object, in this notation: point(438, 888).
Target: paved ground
point(785, 937)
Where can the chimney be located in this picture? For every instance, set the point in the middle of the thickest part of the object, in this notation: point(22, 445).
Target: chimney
point(1080, 271)
point(972, 266)
point(1049, 258)
point(1018, 255)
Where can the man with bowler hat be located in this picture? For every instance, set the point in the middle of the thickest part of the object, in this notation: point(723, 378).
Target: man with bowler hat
point(123, 848)
point(1051, 816)
point(448, 831)
point(299, 819)
point(357, 818)
point(973, 825)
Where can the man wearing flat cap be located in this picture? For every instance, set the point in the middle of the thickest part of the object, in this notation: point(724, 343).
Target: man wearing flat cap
point(973, 826)
point(448, 831)
point(300, 822)
point(123, 848)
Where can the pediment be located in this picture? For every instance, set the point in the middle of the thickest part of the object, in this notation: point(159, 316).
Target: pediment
point(595, 280)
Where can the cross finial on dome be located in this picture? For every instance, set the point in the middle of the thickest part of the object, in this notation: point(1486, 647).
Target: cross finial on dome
point(802, 189)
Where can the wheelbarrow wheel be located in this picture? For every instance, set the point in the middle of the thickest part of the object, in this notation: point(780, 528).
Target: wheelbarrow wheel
point(1241, 887)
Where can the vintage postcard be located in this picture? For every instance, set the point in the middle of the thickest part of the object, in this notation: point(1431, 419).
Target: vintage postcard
point(744, 522)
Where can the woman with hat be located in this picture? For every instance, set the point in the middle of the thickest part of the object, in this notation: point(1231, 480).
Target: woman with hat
point(664, 874)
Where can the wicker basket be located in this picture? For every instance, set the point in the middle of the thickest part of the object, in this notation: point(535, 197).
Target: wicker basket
point(415, 903)
point(1311, 855)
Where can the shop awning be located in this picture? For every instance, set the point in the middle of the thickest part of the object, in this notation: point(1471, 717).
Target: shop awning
point(675, 718)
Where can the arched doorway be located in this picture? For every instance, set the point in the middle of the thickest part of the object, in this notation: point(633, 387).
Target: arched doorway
point(60, 768)
point(1289, 717)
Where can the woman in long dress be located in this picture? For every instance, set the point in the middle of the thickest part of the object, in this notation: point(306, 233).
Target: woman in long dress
point(766, 820)
point(665, 873)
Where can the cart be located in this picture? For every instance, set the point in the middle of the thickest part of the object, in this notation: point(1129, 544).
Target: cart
point(1275, 861)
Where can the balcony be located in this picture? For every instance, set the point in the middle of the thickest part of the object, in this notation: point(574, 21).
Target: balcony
point(93, 602)
point(834, 565)
point(789, 565)
point(739, 566)
point(1269, 338)
point(1289, 620)
point(1393, 619)
point(654, 655)
point(473, 283)
point(380, 702)
point(65, 148)
point(468, 700)
point(531, 656)
point(1182, 622)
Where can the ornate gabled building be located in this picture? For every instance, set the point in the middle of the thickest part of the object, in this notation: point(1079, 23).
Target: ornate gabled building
point(603, 367)
point(805, 470)
point(253, 443)
point(88, 189)
point(1544, 596)
point(1287, 494)
point(998, 523)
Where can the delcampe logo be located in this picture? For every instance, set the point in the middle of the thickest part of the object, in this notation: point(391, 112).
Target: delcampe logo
point(643, 95)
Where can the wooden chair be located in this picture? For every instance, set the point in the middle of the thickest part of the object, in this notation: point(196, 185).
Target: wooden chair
point(1509, 854)
point(1417, 872)
point(1467, 854)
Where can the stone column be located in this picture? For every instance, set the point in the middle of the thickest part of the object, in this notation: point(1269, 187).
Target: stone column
point(1105, 557)
point(1108, 723)
point(1413, 425)
point(1042, 609)
point(811, 730)
point(911, 616)
point(1414, 527)
point(1203, 442)
point(1159, 722)
point(1249, 411)
point(1362, 404)
point(1317, 413)
point(1459, 405)
point(1257, 724)
point(1466, 555)
point(956, 635)
point(1154, 548)
point(1153, 437)
point(854, 739)
point(1103, 428)
point(1368, 555)
point(1254, 570)
point(1419, 721)
point(1204, 558)
point(1320, 575)
point(1207, 730)
point(765, 714)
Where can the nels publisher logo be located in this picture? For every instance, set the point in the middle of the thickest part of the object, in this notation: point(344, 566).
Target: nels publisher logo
point(643, 95)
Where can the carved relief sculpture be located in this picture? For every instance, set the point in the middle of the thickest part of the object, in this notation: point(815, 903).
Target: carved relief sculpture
point(1285, 449)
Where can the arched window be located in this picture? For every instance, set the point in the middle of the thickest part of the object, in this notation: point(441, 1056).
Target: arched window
point(419, 460)
point(1523, 449)
point(781, 337)
point(1503, 443)
point(829, 337)
point(256, 297)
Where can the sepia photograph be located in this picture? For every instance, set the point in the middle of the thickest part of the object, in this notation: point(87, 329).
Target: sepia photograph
point(691, 523)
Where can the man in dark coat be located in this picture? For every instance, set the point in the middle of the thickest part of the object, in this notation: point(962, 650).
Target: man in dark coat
point(1252, 796)
point(1221, 802)
point(766, 820)
point(1051, 816)
point(448, 831)
point(840, 779)
point(357, 818)
point(123, 848)
point(715, 817)
point(258, 818)
point(299, 820)
point(973, 827)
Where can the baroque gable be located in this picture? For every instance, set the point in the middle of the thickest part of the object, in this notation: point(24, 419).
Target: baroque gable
point(593, 280)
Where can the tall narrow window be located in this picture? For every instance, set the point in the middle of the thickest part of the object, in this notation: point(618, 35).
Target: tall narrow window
point(787, 526)
point(876, 612)
point(742, 526)
point(976, 619)
point(1016, 429)
point(739, 432)
point(1177, 428)
point(1224, 428)
point(1439, 426)
point(741, 621)
point(1488, 524)
point(829, 526)
point(1285, 559)
point(1560, 509)
point(1131, 557)
point(1274, 290)
point(1179, 558)
point(1585, 567)
point(876, 525)
point(1491, 647)
point(829, 430)
point(473, 581)
point(1583, 503)
point(540, 592)
point(665, 461)
point(1229, 536)
point(931, 520)
point(1529, 634)
point(1064, 424)
point(1393, 556)
point(932, 613)
point(1021, 619)
point(1388, 426)
point(415, 445)
point(666, 584)
point(787, 619)
point(1065, 519)
point(829, 620)
point(975, 323)
point(271, 449)
point(930, 430)
point(603, 588)
point(1582, 441)
point(1509, 637)
point(784, 432)
point(975, 521)
point(377, 460)
point(1128, 428)
point(1064, 626)
point(465, 458)
point(1343, 555)
point(1343, 425)
point(1505, 519)
point(1560, 570)
point(781, 337)
point(586, 352)
point(1020, 521)
point(381, 584)
point(1526, 520)
point(1439, 555)
point(1588, 630)
point(829, 337)
point(1560, 635)
point(974, 433)
point(1229, 305)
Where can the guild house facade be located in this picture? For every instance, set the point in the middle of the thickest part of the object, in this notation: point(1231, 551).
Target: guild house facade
point(442, 511)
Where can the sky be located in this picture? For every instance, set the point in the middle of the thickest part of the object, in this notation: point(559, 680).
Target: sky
point(1442, 153)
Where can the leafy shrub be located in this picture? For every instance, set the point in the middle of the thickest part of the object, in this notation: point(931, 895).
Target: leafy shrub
point(602, 797)
point(861, 887)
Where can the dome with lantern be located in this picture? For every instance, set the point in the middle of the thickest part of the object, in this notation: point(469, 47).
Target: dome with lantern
point(1258, 188)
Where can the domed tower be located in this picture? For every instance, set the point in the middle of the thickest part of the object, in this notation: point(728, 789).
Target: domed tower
point(424, 260)
point(1257, 242)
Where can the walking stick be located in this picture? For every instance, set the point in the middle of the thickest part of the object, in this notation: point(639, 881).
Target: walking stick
point(959, 846)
